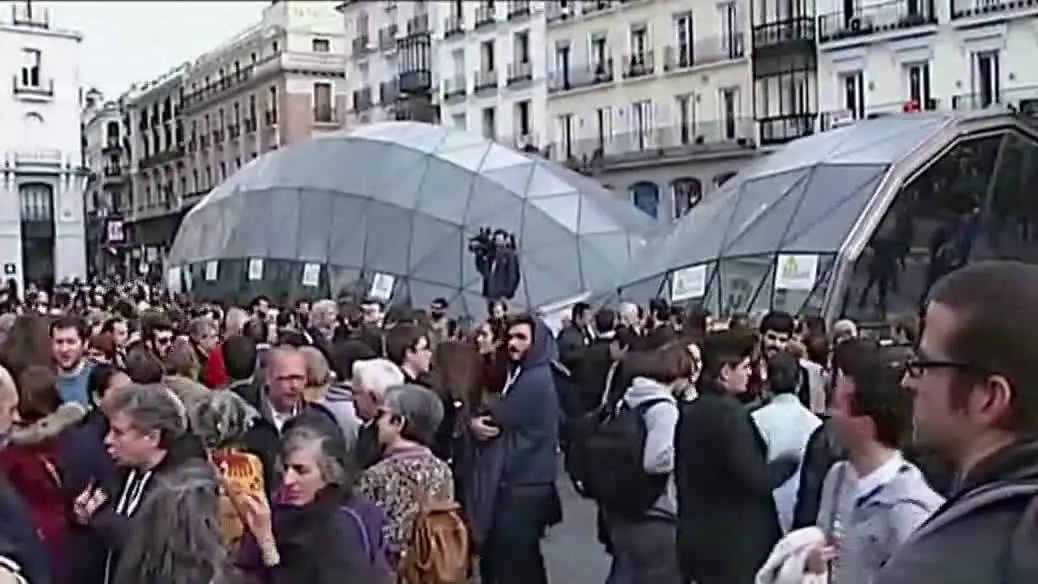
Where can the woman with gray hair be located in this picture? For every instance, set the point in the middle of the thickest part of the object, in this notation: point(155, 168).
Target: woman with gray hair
point(407, 424)
point(177, 533)
point(318, 531)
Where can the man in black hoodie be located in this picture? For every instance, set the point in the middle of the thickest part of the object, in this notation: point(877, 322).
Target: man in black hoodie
point(975, 381)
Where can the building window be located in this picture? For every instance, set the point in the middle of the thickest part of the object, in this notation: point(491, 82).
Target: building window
point(685, 194)
point(459, 121)
point(919, 84)
point(523, 118)
point(639, 42)
point(683, 39)
point(603, 128)
point(986, 79)
point(646, 198)
point(323, 102)
point(362, 25)
point(852, 85)
point(490, 123)
point(728, 19)
point(642, 123)
point(564, 127)
point(730, 112)
point(599, 51)
point(686, 109)
point(272, 104)
point(521, 47)
point(486, 51)
point(320, 45)
point(31, 62)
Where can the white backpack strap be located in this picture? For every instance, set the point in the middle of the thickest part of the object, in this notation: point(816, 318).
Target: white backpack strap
point(12, 569)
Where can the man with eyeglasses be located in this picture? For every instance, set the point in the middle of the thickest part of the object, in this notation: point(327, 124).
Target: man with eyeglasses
point(158, 336)
point(974, 382)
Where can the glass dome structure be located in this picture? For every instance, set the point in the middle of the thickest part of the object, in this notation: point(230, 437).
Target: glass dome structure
point(786, 233)
point(338, 214)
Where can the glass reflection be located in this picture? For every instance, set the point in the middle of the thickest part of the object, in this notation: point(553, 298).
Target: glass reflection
point(929, 230)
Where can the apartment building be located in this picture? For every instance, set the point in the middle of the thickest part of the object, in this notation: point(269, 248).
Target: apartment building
point(41, 175)
point(654, 98)
point(903, 54)
point(276, 83)
point(389, 73)
point(157, 168)
point(492, 70)
point(107, 187)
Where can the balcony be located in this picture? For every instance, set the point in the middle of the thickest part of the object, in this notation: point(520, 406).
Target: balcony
point(40, 90)
point(453, 26)
point(203, 143)
point(112, 145)
point(415, 82)
point(29, 16)
point(639, 65)
point(418, 25)
point(795, 35)
point(667, 141)
point(387, 38)
point(886, 21)
point(708, 51)
point(326, 116)
point(388, 93)
point(218, 136)
point(518, 9)
point(361, 46)
point(580, 77)
point(233, 131)
point(485, 16)
point(200, 96)
point(46, 157)
point(362, 101)
point(520, 72)
point(966, 13)
point(485, 81)
point(271, 117)
point(454, 89)
point(786, 127)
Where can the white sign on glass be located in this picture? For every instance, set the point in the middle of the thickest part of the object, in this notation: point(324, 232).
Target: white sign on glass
point(382, 287)
point(688, 283)
point(173, 281)
point(311, 275)
point(796, 272)
point(256, 269)
point(212, 270)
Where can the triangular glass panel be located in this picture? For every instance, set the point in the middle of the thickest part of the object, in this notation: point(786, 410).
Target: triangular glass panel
point(488, 199)
point(826, 200)
point(765, 232)
point(830, 230)
point(460, 140)
point(423, 137)
point(500, 157)
point(594, 216)
point(564, 210)
point(467, 158)
point(444, 192)
point(757, 197)
point(423, 293)
point(388, 242)
point(283, 235)
point(346, 242)
point(388, 168)
point(545, 183)
point(436, 251)
point(405, 190)
point(514, 178)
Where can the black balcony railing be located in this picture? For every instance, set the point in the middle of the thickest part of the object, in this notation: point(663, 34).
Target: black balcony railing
point(453, 25)
point(704, 52)
point(786, 128)
point(485, 15)
point(250, 124)
point(361, 46)
point(576, 77)
point(388, 92)
point(216, 87)
point(520, 72)
point(638, 65)
point(792, 31)
point(271, 117)
point(669, 140)
point(518, 9)
point(233, 131)
point(39, 88)
point(876, 19)
point(973, 8)
point(454, 87)
point(485, 80)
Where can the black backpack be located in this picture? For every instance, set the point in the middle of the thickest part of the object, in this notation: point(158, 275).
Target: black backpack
point(614, 475)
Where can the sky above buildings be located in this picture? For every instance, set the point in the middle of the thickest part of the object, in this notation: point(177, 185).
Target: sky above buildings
point(132, 42)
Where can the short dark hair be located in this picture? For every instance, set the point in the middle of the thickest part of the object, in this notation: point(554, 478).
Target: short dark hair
point(100, 376)
point(666, 364)
point(69, 321)
point(344, 354)
point(816, 345)
point(783, 372)
point(143, 366)
point(239, 356)
point(625, 337)
point(109, 324)
point(778, 321)
point(605, 320)
point(401, 339)
point(878, 393)
point(996, 312)
point(722, 348)
point(578, 310)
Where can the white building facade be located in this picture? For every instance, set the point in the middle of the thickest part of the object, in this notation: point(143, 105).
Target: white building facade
point(643, 83)
point(492, 70)
point(958, 55)
point(107, 188)
point(42, 233)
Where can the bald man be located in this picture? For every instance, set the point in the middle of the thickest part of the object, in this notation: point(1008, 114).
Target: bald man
point(8, 405)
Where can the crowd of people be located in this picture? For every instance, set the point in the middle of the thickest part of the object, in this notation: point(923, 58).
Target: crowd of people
point(150, 439)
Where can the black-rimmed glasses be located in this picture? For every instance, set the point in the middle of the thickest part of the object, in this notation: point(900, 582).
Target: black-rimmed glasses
point(917, 367)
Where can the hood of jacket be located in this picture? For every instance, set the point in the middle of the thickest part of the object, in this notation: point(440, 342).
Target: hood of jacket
point(643, 389)
point(47, 427)
point(188, 390)
point(542, 349)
